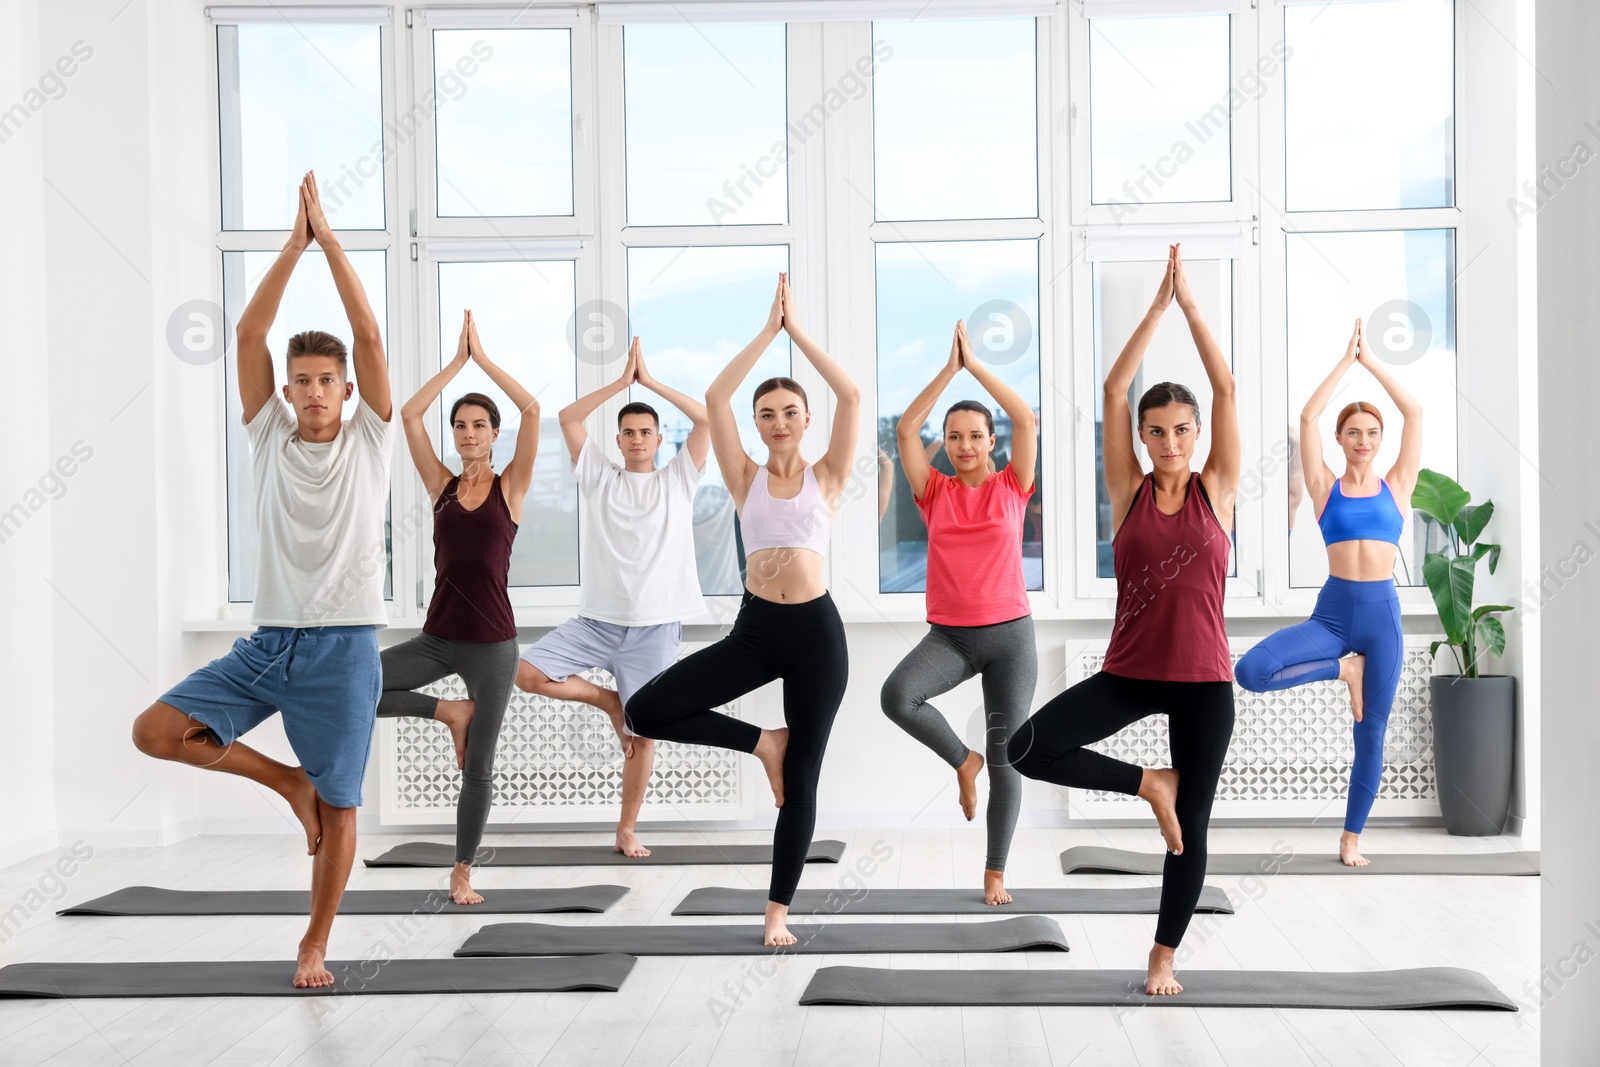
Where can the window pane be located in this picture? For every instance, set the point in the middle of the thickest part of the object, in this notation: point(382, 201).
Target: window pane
point(310, 302)
point(1400, 283)
point(299, 98)
point(955, 130)
point(1122, 295)
point(1369, 104)
point(706, 124)
point(693, 310)
point(1160, 125)
point(504, 122)
point(922, 289)
point(521, 310)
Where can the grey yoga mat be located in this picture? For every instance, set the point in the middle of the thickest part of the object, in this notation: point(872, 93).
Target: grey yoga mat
point(1419, 987)
point(1024, 933)
point(274, 978)
point(434, 854)
point(150, 900)
point(716, 900)
point(1097, 859)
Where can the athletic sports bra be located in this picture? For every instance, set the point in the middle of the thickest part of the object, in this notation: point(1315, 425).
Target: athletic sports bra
point(802, 521)
point(1361, 518)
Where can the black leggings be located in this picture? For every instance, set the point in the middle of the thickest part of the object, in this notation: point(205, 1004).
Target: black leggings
point(804, 645)
point(1050, 747)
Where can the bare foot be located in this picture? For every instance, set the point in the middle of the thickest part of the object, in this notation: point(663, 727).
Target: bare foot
point(967, 781)
point(1350, 850)
point(994, 888)
point(461, 891)
point(1351, 668)
point(456, 714)
point(613, 709)
point(1159, 980)
point(778, 926)
point(770, 750)
point(302, 798)
point(1160, 788)
point(309, 973)
point(628, 844)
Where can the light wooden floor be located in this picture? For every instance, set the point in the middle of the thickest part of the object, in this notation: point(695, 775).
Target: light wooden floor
point(663, 1014)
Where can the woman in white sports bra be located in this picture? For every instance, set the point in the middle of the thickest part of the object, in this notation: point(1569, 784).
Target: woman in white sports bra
point(787, 626)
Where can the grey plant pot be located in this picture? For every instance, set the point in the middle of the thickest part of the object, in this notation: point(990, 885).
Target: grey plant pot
point(1474, 736)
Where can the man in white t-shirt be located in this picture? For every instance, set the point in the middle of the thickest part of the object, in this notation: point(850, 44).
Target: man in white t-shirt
point(637, 571)
point(322, 488)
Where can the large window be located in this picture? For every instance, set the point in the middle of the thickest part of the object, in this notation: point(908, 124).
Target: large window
point(292, 99)
point(955, 137)
point(922, 289)
point(571, 176)
point(1160, 124)
point(1123, 291)
point(706, 137)
point(521, 309)
point(1385, 137)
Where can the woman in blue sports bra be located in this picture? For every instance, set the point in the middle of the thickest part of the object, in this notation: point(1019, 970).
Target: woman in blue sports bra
point(1358, 610)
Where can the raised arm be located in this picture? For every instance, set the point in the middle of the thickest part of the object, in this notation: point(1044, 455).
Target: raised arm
point(738, 469)
point(1319, 479)
point(1122, 470)
point(699, 442)
point(519, 472)
point(1024, 424)
point(256, 385)
point(838, 461)
point(1403, 475)
point(413, 419)
point(915, 459)
point(1221, 472)
point(572, 416)
point(366, 350)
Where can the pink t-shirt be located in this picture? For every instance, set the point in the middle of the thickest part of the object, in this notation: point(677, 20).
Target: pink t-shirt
point(975, 549)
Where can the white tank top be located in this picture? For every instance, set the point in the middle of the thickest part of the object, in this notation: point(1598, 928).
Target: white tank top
point(803, 521)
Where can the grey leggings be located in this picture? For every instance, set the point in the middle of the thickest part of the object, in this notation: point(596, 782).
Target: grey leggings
point(1005, 655)
point(489, 668)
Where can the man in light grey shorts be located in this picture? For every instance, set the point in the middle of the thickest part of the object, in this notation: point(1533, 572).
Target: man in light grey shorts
point(639, 577)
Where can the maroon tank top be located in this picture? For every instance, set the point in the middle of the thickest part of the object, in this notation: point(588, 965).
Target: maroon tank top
point(1170, 572)
point(471, 562)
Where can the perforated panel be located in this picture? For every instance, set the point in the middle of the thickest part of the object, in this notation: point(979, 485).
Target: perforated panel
point(556, 762)
point(1295, 744)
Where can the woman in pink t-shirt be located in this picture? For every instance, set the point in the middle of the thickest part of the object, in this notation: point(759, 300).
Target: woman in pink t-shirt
point(978, 613)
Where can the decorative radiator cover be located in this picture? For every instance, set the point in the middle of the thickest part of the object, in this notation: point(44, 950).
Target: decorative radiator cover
point(557, 762)
point(1291, 749)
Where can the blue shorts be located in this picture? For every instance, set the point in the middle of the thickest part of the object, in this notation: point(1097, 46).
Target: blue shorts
point(326, 681)
point(633, 654)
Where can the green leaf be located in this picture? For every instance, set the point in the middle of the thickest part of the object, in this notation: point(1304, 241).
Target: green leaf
point(1484, 609)
point(1494, 557)
point(1493, 635)
point(1438, 496)
point(1450, 579)
point(1471, 523)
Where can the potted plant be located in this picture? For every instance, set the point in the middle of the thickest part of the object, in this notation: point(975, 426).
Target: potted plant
point(1474, 714)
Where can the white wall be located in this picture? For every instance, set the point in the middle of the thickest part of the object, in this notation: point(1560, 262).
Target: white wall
point(126, 235)
point(27, 779)
point(1567, 84)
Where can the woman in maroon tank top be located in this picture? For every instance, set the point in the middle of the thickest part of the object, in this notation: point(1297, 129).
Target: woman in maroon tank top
point(1168, 651)
point(469, 630)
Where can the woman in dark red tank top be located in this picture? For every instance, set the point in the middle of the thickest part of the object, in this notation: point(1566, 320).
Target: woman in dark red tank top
point(469, 630)
point(1168, 650)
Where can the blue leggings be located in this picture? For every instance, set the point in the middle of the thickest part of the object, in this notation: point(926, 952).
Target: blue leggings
point(1350, 616)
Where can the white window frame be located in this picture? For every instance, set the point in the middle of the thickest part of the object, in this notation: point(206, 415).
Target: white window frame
point(386, 240)
point(1278, 596)
point(852, 247)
